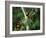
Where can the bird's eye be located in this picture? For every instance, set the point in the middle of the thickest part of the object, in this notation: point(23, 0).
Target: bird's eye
point(27, 14)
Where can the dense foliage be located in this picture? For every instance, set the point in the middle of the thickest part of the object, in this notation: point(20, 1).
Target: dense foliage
point(20, 23)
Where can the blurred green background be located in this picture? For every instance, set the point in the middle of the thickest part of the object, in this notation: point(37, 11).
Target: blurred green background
point(20, 23)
